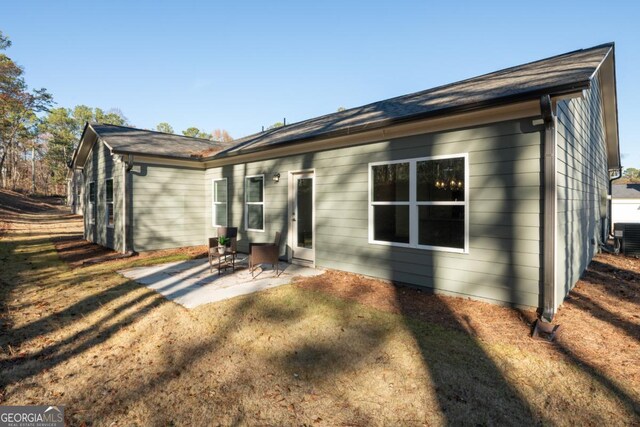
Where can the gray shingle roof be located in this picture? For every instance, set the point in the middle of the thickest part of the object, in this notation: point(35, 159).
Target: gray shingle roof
point(626, 191)
point(139, 141)
point(556, 75)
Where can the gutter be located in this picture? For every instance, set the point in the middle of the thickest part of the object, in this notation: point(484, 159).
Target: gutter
point(550, 209)
point(160, 156)
point(618, 175)
point(558, 91)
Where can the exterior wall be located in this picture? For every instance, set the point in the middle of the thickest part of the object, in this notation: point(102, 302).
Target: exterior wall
point(625, 210)
point(99, 167)
point(582, 186)
point(75, 193)
point(504, 259)
point(166, 207)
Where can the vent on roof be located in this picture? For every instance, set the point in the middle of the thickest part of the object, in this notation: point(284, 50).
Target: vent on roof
point(628, 235)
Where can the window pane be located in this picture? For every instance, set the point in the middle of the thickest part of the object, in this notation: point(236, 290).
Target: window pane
point(441, 226)
point(254, 217)
point(440, 180)
point(390, 182)
point(220, 190)
point(92, 192)
point(221, 214)
point(304, 223)
point(109, 190)
point(110, 213)
point(254, 189)
point(391, 223)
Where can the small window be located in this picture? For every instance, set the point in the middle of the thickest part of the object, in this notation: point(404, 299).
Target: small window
point(109, 200)
point(254, 203)
point(92, 203)
point(420, 203)
point(219, 208)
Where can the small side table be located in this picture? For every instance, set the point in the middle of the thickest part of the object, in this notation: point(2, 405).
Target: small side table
point(223, 260)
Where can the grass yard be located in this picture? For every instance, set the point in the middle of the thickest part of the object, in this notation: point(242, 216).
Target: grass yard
point(337, 349)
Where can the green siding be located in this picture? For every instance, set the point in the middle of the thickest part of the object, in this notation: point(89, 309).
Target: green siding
point(100, 166)
point(503, 263)
point(166, 207)
point(582, 185)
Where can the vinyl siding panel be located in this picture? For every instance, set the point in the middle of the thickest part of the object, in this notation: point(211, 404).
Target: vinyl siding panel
point(167, 207)
point(503, 263)
point(582, 185)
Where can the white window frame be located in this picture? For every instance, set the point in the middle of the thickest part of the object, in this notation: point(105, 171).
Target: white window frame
point(107, 203)
point(246, 204)
point(92, 203)
point(414, 204)
point(214, 204)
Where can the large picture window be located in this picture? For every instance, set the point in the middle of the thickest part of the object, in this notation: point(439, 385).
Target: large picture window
point(421, 203)
point(219, 208)
point(254, 203)
point(92, 203)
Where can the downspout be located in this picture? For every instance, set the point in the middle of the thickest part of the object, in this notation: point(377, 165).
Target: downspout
point(126, 167)
point(618, 175)
point(550, 209)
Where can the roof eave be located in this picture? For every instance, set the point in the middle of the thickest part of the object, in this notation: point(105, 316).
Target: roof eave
point(608, 86)
point(495, 102)
point(80, 154)
point(160, 156)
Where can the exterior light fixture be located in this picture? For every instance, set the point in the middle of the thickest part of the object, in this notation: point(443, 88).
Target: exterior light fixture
point(276, 177)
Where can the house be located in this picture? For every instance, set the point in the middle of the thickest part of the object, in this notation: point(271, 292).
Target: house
point(494, 187)
point(625, 204)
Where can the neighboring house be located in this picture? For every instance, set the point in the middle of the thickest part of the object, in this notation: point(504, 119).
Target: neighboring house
point(494, 187)
point(625, 205)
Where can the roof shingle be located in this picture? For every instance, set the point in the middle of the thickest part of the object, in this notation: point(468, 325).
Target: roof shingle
point(558, 74)
point(626, 191)
point(140, 141)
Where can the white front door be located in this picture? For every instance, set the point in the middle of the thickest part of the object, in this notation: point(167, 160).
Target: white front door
point(302, 216)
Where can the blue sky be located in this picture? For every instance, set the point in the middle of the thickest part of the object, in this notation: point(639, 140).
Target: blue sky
point(239, 65)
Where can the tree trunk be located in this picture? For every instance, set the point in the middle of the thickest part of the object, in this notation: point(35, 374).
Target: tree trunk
point(3, 171)
point(33, 169)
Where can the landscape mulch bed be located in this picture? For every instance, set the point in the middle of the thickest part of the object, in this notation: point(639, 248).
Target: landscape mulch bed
point(76, 251)
point(457, 313)
point(603, 307)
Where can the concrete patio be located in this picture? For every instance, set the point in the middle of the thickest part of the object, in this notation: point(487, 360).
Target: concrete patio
point(191, 284)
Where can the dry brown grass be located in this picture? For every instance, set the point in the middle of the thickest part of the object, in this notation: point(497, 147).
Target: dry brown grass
point(338, 349)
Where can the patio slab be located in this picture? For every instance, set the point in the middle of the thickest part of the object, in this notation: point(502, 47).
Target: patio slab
point(190, 283)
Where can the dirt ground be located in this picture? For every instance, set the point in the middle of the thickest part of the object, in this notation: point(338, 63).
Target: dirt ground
point(76, 251)
point(336, 349)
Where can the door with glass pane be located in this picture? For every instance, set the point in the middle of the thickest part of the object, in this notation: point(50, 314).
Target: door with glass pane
point(302, 216)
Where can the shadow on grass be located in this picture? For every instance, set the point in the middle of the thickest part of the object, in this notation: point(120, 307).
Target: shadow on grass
point(628, 401)
point(27, 259)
